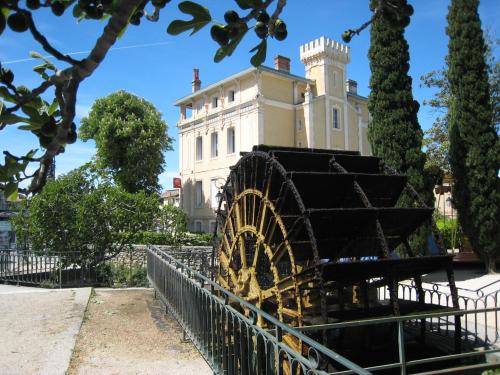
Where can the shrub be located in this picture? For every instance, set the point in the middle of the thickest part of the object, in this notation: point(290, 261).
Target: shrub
point(450, 232)
point(121, 276)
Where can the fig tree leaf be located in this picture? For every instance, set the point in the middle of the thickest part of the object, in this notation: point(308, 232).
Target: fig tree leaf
point(53, 107)
point(31, 112)
point(260, 54)
point(48, 64)
point(230, 47)
point(244, 4)
point(13, 119)
point(11, 191)
point(77, 11)
point(36, 55)
point(4, 176)
point(4, 93)
point(200, 17)
point(28, 127)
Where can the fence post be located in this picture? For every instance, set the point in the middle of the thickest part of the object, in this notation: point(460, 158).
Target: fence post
point(60, 271)
point(401, 347)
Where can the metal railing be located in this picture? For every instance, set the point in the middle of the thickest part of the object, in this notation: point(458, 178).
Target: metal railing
point(233, 343)
point(401, 323)
point(28, 268)
point(229, 341)
point(479, 325)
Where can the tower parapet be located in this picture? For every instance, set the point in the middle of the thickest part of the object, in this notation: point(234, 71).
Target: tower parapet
point(324, 50)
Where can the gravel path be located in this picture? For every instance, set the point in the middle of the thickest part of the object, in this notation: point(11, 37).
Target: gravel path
point(125, 332)
point(39, 328)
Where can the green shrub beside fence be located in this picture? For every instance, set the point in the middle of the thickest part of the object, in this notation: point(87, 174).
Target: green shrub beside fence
point(120, 275)
point(450, 232)
point(172, 239)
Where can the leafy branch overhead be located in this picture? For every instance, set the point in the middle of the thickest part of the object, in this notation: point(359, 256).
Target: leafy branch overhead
point(52, 121)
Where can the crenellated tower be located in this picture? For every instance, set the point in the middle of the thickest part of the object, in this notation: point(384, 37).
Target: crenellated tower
point(325, 61)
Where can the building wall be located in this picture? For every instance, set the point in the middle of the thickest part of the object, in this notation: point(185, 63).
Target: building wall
point(273, 108)
point(277, 88)
point(279, 126)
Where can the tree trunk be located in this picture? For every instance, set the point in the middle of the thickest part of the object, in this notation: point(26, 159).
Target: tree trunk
point(490, 263)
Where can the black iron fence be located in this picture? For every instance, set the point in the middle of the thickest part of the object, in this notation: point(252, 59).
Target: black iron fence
point(231, 342)
point(68, 269)
point(53, 270)
point(477, 327)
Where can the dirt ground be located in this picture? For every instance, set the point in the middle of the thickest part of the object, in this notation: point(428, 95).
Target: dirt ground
point(126, 332)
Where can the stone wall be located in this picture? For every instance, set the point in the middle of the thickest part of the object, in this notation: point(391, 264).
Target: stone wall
point(196, 257)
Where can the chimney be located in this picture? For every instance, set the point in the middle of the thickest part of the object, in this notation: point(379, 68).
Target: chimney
point(282, 63)
point(196, 84)
point(352, 86)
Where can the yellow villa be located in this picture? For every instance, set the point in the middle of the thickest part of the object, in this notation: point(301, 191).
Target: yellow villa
point(266, 106)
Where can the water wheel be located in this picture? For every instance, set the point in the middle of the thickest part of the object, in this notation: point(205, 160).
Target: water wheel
point(307, 235)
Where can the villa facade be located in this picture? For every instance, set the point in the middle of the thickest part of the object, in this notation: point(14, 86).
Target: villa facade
point(266, 105)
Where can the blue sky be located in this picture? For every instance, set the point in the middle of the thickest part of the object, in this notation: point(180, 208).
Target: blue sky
point(152, 64)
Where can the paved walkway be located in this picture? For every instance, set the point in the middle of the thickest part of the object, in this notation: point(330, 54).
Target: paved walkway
point(39, 328)
point(126, 332)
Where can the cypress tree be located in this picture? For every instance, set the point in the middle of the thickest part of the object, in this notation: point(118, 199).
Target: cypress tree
point(474, 147)
point(394, 132)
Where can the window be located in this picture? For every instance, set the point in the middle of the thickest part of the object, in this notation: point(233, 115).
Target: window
point(230, 141)
point(230, 96)
point(198, 190)
point(215, 145)
point(215, 102)
point(214, 199)
point(199, 148)
point(198, 226)
point(335, 118)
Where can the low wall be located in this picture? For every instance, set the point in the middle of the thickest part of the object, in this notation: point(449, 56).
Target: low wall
point(196, 257)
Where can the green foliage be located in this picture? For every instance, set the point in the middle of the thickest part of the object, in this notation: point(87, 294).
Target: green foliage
point(173, 220)
point(229, 35)
point(48, 284)
point(436, 141)
point(121, 275)
point(131, 137)
point(450, 232)
point(200, 18)
point(88, 219)
point(168, 239)
point(394, 133)
point(474, 146)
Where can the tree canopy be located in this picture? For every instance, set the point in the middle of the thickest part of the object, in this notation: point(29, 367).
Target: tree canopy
point(394, 132)
point(48, 109)
point(436, 140)
point(131, 137)
point(85, 217)
point(474, 146)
